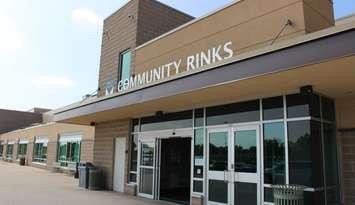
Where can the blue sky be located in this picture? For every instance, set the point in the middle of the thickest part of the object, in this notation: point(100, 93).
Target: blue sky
point(50, 50)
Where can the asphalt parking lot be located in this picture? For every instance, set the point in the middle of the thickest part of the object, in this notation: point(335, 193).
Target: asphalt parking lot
point(32, 186)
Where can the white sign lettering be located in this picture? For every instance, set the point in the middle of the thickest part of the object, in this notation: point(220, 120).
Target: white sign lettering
point(203, 58)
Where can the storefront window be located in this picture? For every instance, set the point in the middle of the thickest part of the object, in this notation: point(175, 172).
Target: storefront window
point(199, 117)
point(274, 153)
point(9, 151)
point(167, 121)
point(40, 151)
point(305, 153)
point(331, 164)
point(22, 150)
point(133, 165)
point(125, 65)
point(303, 105)
point(1, 150)
point(273, 108)
point(69, 152)
point(233, 113)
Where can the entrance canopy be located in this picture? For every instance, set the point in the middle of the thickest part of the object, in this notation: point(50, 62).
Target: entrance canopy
point(323, 59)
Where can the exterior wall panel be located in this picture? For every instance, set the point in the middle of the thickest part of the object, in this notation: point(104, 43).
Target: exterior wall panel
point(52, 131)
point(104, 147)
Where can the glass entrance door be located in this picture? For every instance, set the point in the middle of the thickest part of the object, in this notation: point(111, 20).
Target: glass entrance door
point(146, 169)
point(233, 165)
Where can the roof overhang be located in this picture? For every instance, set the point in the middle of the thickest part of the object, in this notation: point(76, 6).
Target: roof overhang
point(326, 62)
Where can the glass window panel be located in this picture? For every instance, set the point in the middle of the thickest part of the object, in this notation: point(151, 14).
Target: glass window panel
point(331, 163)
point(268, 195)
point(198, 186)
point(218, 191)
point(218, 151)
point(328, 109)
point(135, 125)
point(273, 108)
point(245, 193)
point(147, 155)
point(233, 113)
point(245, 151)
point(146, 181)
point(305, 153)
point(133, 177)
point(198, 153)
point(199, 117)
point(167, 121)
point(125, 66)
point(274, 153)
point(299, 105)
point(134, 152)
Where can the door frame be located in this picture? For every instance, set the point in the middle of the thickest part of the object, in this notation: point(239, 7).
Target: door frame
point(139, 167)
point(156, 137)
point(231, 128)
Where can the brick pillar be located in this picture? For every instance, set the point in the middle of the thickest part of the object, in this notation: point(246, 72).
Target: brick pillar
point(14, 153)
point(29, 153)
point(51, 153)
point(87, 151)
point(347, 138)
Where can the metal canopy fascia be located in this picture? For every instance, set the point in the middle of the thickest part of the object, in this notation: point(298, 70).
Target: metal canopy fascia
point(313, 52)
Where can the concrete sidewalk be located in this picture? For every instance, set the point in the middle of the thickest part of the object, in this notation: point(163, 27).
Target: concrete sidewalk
point(32, 186)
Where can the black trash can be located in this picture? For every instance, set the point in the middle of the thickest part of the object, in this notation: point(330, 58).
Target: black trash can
point(84, 174)
point(22, 161)
point(95, 178)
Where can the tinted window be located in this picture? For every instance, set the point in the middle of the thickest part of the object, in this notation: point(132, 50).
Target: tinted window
point(167, 121)
point(198, 186)
point(328, 109)
point(274, 153)
point(305, 153)
point(233, 113)
point(218, 151)
point(245, 152)
point(125, 65)
point(299, 105)
point(134, 152)
point(135, 125)
point(331, 163)
point(273, 108)
point(199, 117)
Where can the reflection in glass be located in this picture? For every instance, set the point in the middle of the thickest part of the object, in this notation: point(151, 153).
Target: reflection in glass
point(167, 121)
point(274, 153)
point(134, 152)
point(199, 117)
point(147, 156)
point(233, 113)
point(268, 195)
point(299, 105)
point(273, 108)
point(218, 151)
point(331, 163)
point(146, 181)
point(245, 193)
point(218, 191)
point(198, 186)
point(305, 153)
point(245, 151)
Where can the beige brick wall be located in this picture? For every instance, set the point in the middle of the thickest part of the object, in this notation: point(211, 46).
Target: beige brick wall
point(347, 139)
point(52, 131)
point(119, 35)
point(104, 147)
point(135, 23)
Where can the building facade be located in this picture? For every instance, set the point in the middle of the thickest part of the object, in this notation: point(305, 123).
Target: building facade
point(52, 146)
point(216, 110)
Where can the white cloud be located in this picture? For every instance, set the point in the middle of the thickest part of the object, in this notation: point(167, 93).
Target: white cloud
point(52, 82)
point(86, 17)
